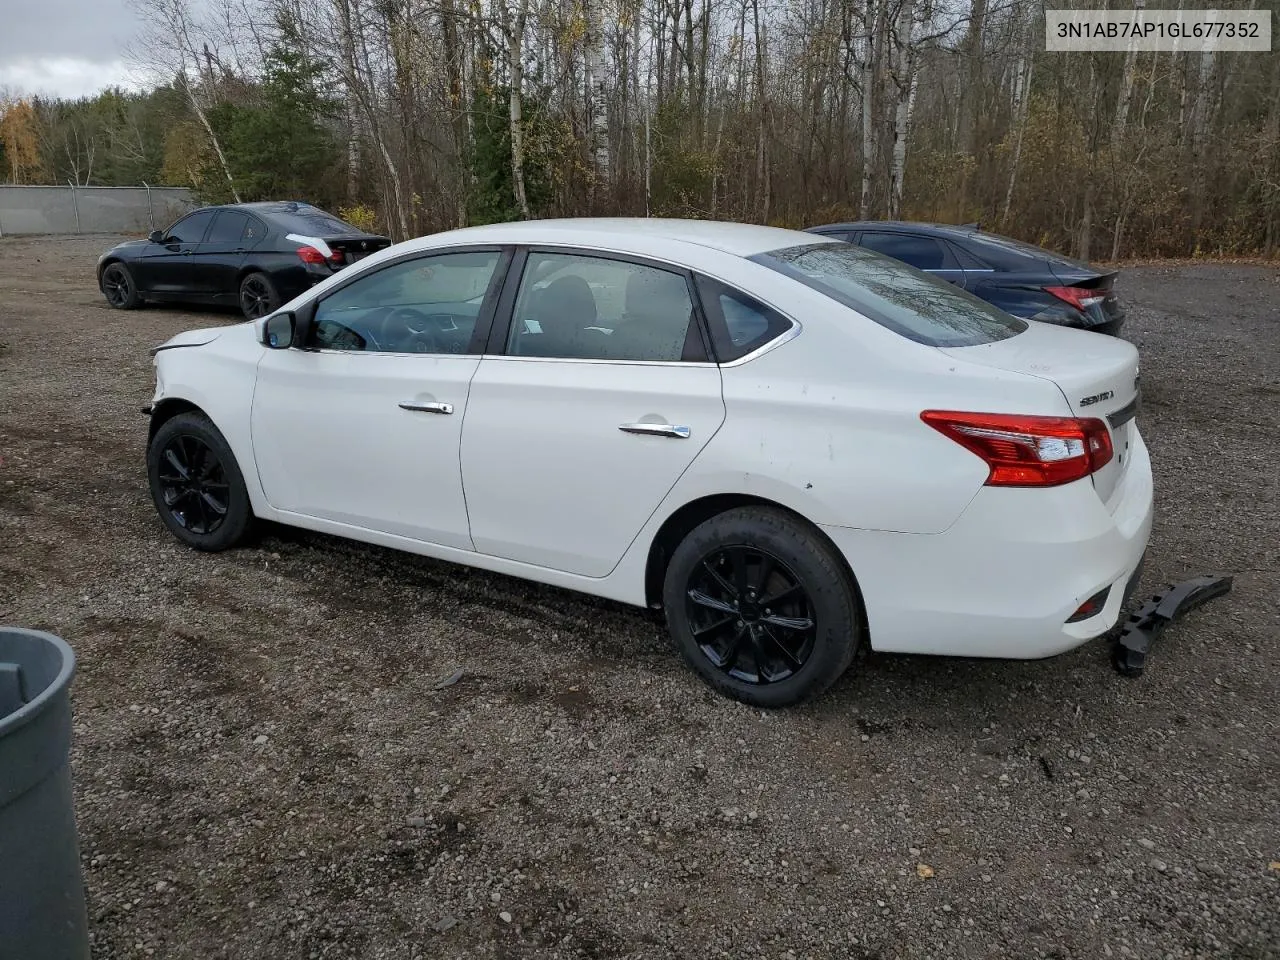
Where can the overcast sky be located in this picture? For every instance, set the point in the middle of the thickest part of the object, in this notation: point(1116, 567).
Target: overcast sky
point(64, 48)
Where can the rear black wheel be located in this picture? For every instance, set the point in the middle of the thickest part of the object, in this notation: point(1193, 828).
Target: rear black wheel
point(119, 288)
point(761, 607)
point(196, 484)
point(258, 296)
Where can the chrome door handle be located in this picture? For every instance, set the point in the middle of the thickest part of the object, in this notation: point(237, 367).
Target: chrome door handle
point(656, 429)
point(422, 407)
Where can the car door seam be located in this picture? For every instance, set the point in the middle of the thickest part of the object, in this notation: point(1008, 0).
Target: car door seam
point(462, 435)
point(676, 482)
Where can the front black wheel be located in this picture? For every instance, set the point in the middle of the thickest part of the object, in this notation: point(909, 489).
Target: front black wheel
point(119, 287)
point(761, 607)
point(196, 484)
point(258, 296)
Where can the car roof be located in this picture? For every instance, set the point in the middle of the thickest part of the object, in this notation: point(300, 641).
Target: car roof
point(996, 249)
point(740, 239)
point(914, 226)
point(279, 206)
point(265, 207)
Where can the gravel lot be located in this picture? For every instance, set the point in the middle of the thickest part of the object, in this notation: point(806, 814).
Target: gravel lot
point(265, 767)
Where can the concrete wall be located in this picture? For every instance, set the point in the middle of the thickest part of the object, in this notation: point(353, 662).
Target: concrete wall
point(36, 210)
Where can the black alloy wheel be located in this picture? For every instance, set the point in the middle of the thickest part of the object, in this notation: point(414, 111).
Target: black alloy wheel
point(762, 606)
point(257, 296)
point(118, 287)
point(193, 485)
point(750, 615)
point(197, 485)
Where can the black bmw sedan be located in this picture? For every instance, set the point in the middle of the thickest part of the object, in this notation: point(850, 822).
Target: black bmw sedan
point(254, 255)
point(1019, 278)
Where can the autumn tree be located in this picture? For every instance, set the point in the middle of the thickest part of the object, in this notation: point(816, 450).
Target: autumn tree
point(20, 131)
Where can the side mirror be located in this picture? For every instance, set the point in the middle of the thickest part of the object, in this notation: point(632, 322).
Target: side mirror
point(277, 332)
point(156, 236)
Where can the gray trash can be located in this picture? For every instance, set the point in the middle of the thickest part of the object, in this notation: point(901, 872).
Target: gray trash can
point(42, 905)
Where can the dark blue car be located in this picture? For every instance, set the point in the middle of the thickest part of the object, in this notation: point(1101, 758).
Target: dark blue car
point(1019, 278)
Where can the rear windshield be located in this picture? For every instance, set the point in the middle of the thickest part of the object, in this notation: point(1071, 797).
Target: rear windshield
point(313, 223)
point(993, 245)
point(908, 301)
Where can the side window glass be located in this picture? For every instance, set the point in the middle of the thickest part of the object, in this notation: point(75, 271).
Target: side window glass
point(594, 308)
point(966, 259)
point(253, 232)
point(924, 253)
point(739, 323)
point(425, 305)
point(191, 229)
point(227, 227)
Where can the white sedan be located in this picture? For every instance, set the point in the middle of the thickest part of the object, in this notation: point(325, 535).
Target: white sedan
point(792, 446)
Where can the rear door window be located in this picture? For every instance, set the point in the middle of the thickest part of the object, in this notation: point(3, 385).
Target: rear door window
point(908, 301)
point(923, 253)
point(578, 307)
point(228, 227)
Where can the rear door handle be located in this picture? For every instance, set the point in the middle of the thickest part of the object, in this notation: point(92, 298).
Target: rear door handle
point(424, 407)
point(657, 429)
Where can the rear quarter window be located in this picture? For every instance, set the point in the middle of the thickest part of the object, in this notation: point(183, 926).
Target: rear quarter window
point(739, 324)
point(908, 301)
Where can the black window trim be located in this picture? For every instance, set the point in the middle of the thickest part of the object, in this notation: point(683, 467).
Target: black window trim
point(496, 347)
point(306, 315)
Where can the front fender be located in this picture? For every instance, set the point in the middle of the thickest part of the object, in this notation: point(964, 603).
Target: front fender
point(217, 377)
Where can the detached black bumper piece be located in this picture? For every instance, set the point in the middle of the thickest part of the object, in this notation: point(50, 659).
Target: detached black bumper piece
point(1147, 622)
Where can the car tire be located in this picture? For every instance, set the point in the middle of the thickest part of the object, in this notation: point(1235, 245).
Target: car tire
point(197, 485)
point(258, 295)
point(744, 633)
point(119, 287)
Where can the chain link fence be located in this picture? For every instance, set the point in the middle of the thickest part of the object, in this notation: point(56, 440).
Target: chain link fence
point(71, 209)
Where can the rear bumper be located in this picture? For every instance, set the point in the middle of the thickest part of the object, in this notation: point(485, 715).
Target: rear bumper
point(1003, 580)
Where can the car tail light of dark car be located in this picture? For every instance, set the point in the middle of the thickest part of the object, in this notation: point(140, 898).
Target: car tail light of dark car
point(1079, 297)
point(1028, 451)
point(312, 255)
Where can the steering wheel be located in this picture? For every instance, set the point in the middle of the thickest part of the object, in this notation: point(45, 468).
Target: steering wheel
point(414, 329)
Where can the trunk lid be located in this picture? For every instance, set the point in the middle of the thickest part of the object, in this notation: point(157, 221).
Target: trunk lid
point(1097, 376)
point(356, 248)
point(1098, 282)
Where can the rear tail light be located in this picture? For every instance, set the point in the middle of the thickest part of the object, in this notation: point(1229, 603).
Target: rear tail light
point(1024, 451)
point(1078, 297)
point(312, 255)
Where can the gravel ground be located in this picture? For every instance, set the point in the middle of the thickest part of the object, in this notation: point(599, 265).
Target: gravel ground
point(265, 767)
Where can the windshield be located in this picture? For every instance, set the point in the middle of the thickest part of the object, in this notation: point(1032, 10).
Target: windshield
point(908, 301)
